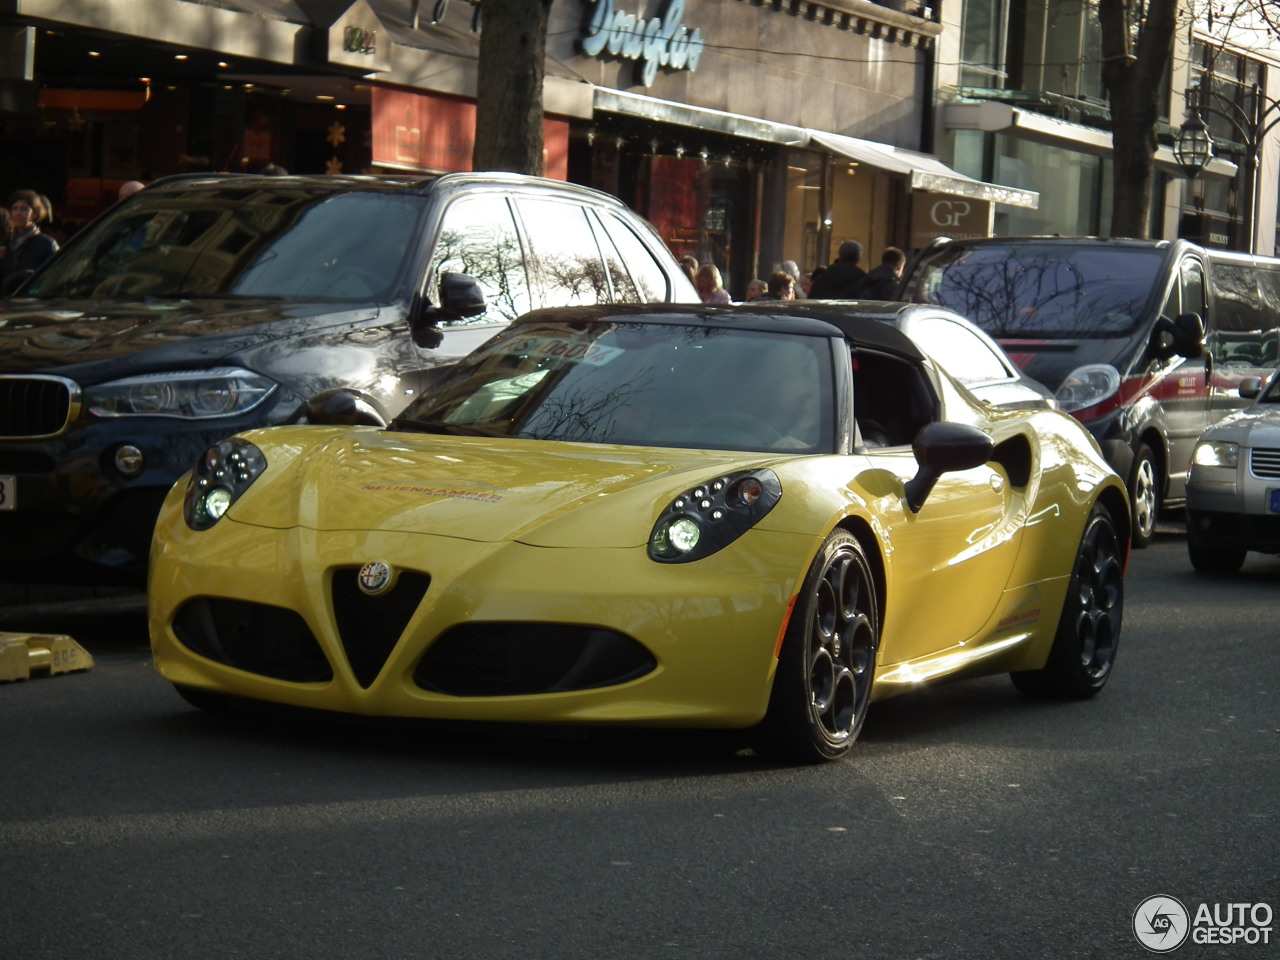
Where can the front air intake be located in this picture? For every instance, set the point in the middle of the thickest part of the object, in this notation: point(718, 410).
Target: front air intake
point(370, 626)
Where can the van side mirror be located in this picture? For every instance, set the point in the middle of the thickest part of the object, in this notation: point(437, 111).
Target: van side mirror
point(944, 448)
point(460, 297)
point(1182, 337)
point(1250, 387)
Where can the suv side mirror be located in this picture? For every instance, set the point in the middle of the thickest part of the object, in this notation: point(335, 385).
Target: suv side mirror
point(1250, 387)
point(460, 296)
point(944, 448)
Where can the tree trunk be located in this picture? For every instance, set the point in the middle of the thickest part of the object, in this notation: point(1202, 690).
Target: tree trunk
point(1133, 72)
point(513, 40)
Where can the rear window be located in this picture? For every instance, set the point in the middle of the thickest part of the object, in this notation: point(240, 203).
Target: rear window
point(286, 243)
point(1028, 290)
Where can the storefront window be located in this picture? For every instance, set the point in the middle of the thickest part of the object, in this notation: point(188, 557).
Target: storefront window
point(805, 218)
point(982, 44)
point(1073, 206)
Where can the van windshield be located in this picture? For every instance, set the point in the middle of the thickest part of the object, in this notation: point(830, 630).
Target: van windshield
point(1034, 290)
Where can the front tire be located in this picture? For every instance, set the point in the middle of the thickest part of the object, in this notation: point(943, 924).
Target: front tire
point(1084, 648)
point(1145, 485)
point(1214, 560)
point(827, 664)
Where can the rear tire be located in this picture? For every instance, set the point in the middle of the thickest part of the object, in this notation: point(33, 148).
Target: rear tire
point(1084, 648)
point(825, 670)
point(1145, 486)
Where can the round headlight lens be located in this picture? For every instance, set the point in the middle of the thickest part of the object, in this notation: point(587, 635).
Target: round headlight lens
point(683, 534)
point(215, 503)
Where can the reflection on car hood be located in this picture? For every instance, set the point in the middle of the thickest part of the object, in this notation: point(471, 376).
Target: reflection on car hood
point(548, 494)
point(66, 337)
point(1258, 425)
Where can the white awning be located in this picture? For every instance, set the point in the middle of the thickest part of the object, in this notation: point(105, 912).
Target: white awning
point(925, 171)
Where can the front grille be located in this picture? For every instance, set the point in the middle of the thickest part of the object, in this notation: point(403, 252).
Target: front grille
point(511, 659)
point(37, 406)
point(1265, 462)
point(369, 626)
point(270, 641)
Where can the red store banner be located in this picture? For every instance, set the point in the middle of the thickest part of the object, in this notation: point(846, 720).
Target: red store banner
point(419, 131)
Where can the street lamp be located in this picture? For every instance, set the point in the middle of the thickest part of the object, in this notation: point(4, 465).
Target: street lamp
point(1193, 149)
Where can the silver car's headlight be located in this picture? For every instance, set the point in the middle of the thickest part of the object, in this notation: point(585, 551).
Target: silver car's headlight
point(187, 395)
point(1088, 385)
point(1216, 453)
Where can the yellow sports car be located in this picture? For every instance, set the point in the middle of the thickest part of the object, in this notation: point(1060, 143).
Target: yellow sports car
point(758, 517)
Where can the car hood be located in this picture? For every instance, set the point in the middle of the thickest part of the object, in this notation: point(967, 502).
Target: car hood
point(1255, 426)
point(75, 338)
point(541, 493)
point(1049, 362)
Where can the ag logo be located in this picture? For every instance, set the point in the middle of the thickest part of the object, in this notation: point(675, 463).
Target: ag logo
point(376, 577)
point(1161, 923)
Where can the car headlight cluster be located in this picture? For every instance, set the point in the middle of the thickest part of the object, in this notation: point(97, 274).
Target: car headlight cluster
point(712, 515)
point(189, 395)
point(224, 472)
point(1216, 453)
point(1088, 385)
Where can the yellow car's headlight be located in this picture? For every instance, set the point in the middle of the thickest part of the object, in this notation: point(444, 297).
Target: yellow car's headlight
point(224, 472)
point(712, 515)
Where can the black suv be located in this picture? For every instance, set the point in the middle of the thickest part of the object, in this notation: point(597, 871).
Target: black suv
point(208, 304)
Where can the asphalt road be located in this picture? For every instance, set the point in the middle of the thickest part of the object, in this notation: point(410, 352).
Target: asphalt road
point(970, 822)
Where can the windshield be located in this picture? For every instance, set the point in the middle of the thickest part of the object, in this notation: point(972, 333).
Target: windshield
point(1042, 291)
point(253, 242)
point(644, 384)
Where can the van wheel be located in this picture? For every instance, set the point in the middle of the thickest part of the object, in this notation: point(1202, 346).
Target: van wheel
point(1144, 495)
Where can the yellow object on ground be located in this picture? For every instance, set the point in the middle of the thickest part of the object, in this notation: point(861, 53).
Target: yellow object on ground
point(23, 655)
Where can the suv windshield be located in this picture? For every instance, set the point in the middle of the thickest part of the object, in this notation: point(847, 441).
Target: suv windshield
point(644, 384)
point(1039, 290)
point(253, 241)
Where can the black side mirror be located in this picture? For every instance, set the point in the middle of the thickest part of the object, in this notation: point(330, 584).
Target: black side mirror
point(1250, 387)
point(460, 297)
point(343, 406)
point(944, 448)
point(1183, 337)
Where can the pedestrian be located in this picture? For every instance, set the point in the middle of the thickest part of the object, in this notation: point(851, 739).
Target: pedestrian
point(28, 248)
point(782, 286)
point(843, 280)
point(756, 289)
point(711, 286)
point(689, 264)
point(882, 281)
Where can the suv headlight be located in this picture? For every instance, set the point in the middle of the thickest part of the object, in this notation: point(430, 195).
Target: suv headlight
point(1088, 385)
point(712, 515)
point(1216, 453)
point(187, 395)
point(224, 472)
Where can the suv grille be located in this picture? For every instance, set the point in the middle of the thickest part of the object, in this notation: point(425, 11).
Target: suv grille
point(37, 406)
point(1265, 462)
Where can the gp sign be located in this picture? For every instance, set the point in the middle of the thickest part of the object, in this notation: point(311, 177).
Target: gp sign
point(936, 215)
point(663, 41)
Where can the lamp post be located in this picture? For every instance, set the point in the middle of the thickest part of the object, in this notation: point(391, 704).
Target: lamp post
point(1193, 147)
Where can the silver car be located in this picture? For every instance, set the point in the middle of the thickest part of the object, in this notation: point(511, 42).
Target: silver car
point(1233, 485)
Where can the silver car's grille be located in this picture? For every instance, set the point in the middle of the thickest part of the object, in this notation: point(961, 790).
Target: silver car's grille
point(1265, 462)
point(37, 406)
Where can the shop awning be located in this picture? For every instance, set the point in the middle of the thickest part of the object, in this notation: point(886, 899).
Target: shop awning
point(925, 171)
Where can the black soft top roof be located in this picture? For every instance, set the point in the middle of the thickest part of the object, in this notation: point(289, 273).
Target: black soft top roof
point(861, 323)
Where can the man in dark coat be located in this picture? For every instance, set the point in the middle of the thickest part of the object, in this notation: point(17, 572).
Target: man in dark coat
point(882, 282)
point(844, 279)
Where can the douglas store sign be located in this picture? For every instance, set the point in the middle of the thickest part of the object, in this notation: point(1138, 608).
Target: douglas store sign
point(660, 42)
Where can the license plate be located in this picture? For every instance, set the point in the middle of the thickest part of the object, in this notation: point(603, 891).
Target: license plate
point(1273, 500)
point(8, 493)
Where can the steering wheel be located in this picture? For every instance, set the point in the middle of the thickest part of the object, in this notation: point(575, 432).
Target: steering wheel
point(740, 423)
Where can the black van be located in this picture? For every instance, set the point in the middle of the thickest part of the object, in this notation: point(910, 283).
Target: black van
point(1146, 342)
